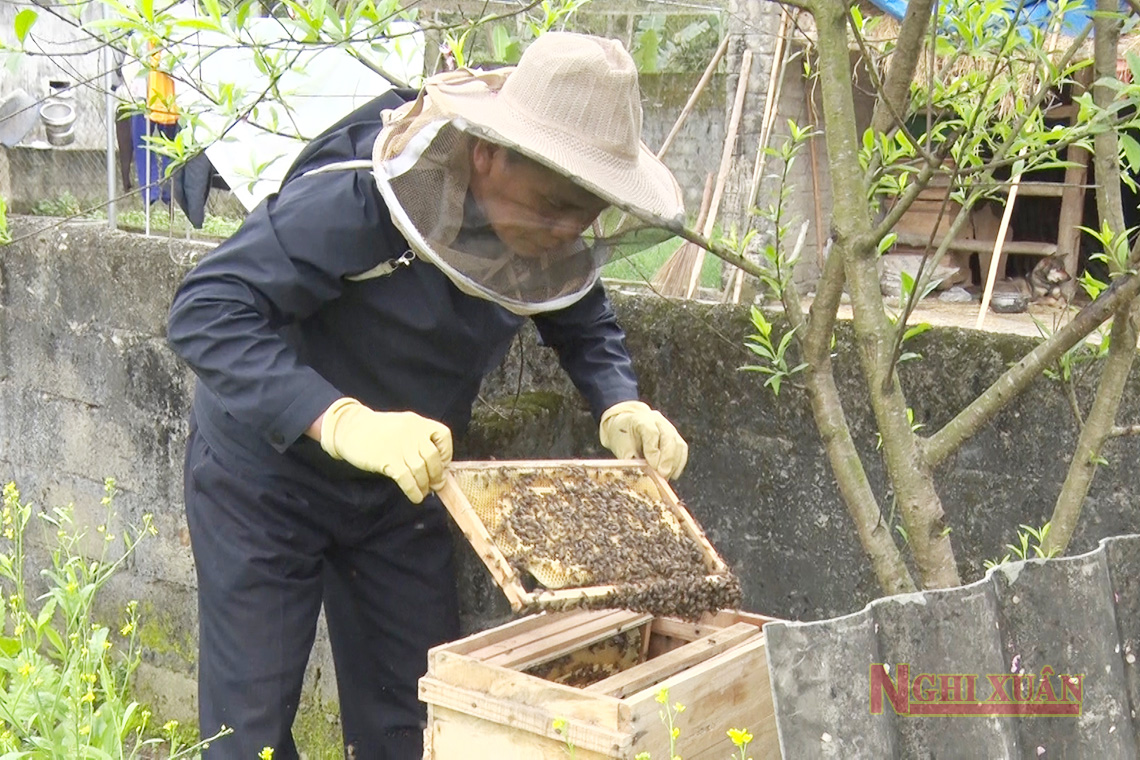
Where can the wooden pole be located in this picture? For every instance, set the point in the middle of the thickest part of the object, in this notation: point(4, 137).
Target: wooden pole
point(709, 71)
point(775, 82)
point(725, 163)
point(813, 151)
point(771, 106)
point(995, 258)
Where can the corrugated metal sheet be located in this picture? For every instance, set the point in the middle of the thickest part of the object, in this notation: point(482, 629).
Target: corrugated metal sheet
point(1076, 615)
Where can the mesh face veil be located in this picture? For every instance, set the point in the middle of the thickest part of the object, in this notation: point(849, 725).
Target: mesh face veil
point(519, 227)
point(426, 187)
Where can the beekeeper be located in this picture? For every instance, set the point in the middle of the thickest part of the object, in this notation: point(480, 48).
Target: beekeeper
point(340, 338)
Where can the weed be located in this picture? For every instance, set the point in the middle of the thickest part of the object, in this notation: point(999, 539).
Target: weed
point(65, 678)
point(1028, 546)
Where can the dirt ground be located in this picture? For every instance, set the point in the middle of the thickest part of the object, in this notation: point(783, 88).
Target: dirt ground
point(943, 314)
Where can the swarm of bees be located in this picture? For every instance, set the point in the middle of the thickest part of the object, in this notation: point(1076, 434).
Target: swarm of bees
point(595, 662)
point(569, 530)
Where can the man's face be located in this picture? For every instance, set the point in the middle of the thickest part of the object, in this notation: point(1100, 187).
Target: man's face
point(531, 208)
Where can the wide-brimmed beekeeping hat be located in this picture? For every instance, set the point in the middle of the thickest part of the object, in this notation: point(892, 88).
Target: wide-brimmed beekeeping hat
point(572, 105)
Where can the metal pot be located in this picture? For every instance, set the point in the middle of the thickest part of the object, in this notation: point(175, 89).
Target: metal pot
point(59, 121)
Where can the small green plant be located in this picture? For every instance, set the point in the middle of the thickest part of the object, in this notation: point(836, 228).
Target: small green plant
point(65, 678)
point(65, 204)
point(5, 236)
point(562, 728)
point(1115, 249)
point(1028, 546)
point(774, 354)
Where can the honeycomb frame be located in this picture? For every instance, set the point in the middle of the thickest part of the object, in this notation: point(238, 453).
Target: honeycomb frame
point(472, 488)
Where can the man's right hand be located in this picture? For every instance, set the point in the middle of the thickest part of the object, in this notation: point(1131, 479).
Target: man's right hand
point(410, 449)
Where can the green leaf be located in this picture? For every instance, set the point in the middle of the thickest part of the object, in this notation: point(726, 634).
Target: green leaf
point(56, 641)
point(213, 9)
point(24, 21)
point(500, 41)
point(907, 282)
point(918, 329)
point(10, 647)
point(46, 613)
point(146, 8)
point(648, 51)
point(887, 241)
point(1133, 64)
point(1131, 151)
point(243, 11)
point(199, 24)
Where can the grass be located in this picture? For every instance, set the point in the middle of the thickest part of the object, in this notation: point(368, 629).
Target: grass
point(643, 265)
point(176, 224)
point(162, 221)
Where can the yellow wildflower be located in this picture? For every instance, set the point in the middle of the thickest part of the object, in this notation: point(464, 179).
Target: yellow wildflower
point(739, 736)
point(19, 629)
point(84, 730)
point(127, 629)
point(88, 697)
point(169, 726)
point(266, 753)
point(26, 669)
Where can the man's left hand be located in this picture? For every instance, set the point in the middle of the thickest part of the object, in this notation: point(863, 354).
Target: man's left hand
point(632, 429)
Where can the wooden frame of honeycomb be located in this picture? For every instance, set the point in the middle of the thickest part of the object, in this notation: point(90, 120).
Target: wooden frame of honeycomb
point(476, 494)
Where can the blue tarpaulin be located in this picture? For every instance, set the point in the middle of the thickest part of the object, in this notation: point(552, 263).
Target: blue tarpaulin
point(1036, 12)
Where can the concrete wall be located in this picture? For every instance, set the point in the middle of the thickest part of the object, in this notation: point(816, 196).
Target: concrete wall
point(29, 176)
point(89, 390)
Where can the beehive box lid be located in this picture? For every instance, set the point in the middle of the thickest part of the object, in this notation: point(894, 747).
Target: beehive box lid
point(479, 494)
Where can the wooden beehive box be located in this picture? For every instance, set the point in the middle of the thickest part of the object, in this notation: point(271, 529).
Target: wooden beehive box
point(497, 694)
point(475, 492)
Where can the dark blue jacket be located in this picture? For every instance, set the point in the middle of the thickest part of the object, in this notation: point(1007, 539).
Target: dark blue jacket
point(276, 333)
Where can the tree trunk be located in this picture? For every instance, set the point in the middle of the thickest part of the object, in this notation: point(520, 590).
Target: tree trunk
point(1122, 346)
point(919, 505)
point(827, 409)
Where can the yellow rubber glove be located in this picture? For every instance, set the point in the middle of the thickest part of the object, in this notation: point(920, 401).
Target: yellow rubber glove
point(410, 449)
point(631, 429)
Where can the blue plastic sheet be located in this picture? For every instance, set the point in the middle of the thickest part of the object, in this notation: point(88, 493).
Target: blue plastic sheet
point(1036, 12)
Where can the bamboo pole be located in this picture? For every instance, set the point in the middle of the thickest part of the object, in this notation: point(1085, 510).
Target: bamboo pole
point(995, 257)
point(771, 106)
point(725, 163)
point(704, 80)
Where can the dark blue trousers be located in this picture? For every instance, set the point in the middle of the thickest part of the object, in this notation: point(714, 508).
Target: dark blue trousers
point(154, 185)
point(269, 550)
